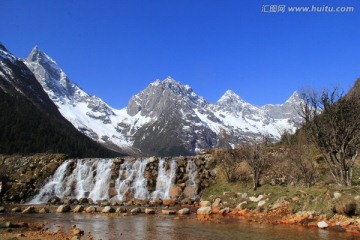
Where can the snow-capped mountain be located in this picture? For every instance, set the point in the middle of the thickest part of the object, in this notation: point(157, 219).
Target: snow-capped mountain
point(30, 122)
point(166, 118)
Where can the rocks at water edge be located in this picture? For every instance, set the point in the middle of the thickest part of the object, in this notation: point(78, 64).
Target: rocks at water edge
point(168, 212)
point(108, 209)
point(63, 209)
point(204, 211)
point(15, 209)
point(322, 225)
point(149, 211)
point(30, 209)
point(44, 210)
point(184, 211)
point(78, 209)
point(90, 209)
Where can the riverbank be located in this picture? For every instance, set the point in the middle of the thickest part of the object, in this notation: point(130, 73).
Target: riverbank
point(157, 226)
point(41, 221)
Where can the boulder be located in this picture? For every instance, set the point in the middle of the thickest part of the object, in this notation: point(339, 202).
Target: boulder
point(90, 209)
point(15, 209)
point(108, 209)
point(322, 225)
point(30, 209)
point(184, 211)
point(78, 209)
point(149, 211)
point(63, 209)
point(168, 212)
point(44, 210)
point(204, 211)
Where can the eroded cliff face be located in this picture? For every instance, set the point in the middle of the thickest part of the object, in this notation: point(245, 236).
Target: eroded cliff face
point(23, 177)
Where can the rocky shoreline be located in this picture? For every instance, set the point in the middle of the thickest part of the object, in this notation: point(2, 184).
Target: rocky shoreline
point(204, 211)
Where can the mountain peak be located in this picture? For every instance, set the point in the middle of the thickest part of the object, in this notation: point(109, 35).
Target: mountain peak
point(294, 98)
point(36, 55)
point(230, 95)
point(169, 79)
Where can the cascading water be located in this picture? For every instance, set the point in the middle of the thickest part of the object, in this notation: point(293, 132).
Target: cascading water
point(55, 187)
point(99, 179)
point(192, 174)
point(132, 181)
point(89, 179)
point(164, 180)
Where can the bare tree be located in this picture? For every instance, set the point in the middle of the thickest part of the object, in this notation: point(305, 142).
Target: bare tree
point(228, 163)
point(257, 158)
point(305, 167)
point(333, 125)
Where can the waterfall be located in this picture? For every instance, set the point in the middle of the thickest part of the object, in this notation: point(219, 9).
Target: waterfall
point(131, 180)
point(55, 187)
point(89, 179)
point(164, 180)
point(99, 179)
point(192, 173)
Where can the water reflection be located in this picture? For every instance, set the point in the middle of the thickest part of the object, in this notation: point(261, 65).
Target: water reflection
point(163, 227)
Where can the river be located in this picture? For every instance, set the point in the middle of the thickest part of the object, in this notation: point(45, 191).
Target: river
point(163, 227)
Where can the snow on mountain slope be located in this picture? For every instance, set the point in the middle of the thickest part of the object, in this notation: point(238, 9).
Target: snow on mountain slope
point(89, 114)
point(167, 117)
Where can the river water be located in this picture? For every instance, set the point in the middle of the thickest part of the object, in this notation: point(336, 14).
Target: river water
point(163, 227)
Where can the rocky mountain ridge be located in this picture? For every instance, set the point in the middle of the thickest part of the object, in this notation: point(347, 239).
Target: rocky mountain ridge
point(30, 122)
point(166, 118)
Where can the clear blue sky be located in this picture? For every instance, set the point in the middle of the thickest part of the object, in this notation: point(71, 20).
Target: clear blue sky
point(115, 48)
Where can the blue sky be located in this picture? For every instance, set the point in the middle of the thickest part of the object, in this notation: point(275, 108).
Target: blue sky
point(114, 49)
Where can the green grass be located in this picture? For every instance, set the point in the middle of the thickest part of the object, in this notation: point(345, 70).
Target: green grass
point(318, 198)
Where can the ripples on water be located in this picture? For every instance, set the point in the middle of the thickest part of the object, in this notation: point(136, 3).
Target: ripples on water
point(164, 227)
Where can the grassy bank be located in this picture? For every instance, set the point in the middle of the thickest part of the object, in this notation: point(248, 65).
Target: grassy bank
point(327, 199)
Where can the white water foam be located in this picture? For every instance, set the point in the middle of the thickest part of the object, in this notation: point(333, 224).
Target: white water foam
point(131, 180)
point(90, 178)
point(164, 180)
